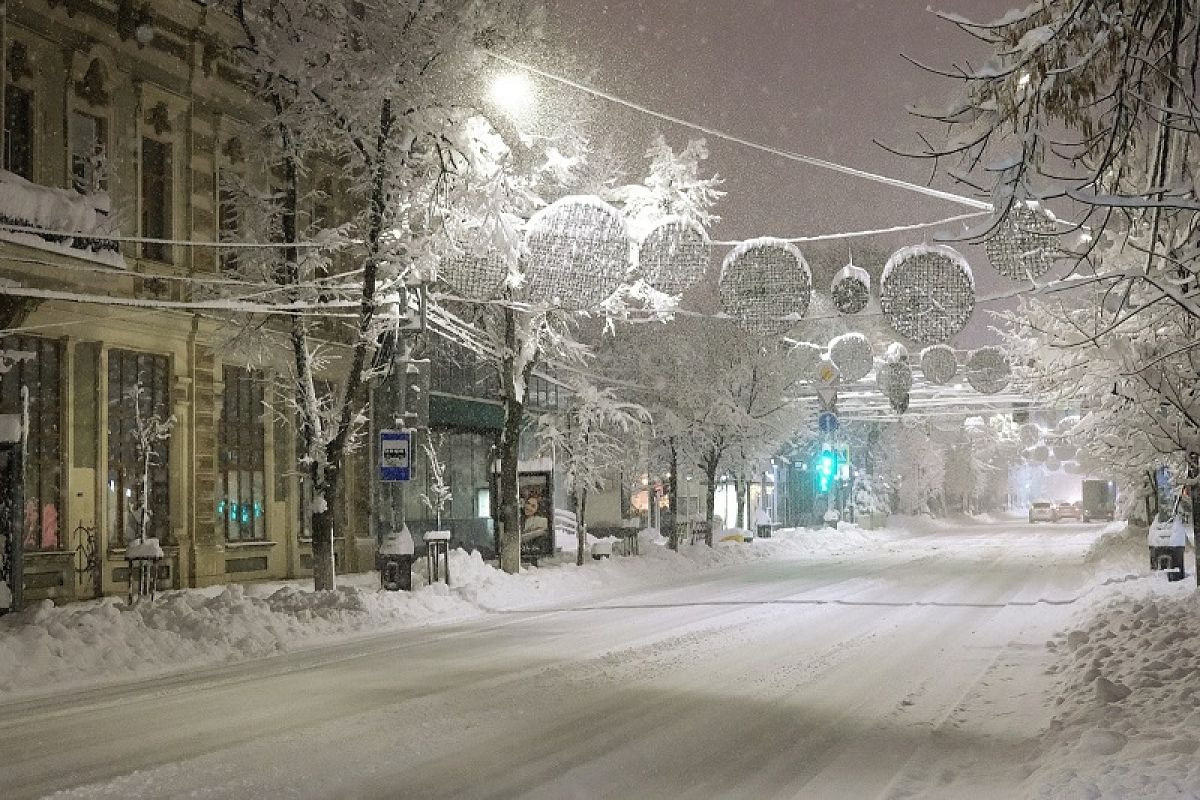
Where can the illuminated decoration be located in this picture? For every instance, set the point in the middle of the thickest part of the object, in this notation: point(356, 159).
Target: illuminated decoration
point(939, 365)
point(243, 513)
point(988, 370)
point(851, 289)
point(1023, 244)
point(927, 292)
point(895, 379)
point(825, 470)
point(674, 255)
point(1030, 434)
point(475, 277)
point(765, 286)
point(851, 353)
point(1065, 452)
point(577, 253)
point(806, 356)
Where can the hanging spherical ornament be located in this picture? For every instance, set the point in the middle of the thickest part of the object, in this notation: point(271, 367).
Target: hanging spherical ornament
point(1065, 452)
point(1067, 423)
point(765, 285)
point(674, 255)
point(851, 289)
point(988, 370)
point(851, 354)
point(894, 379)
point(927, 292)
point(1030, 434)
point(1024, 243)
point(939, 365)
point(1052, 464)
point(474, 277)
point(805, 357)
point(1039, 454)
point(895, 352)
point(576, 253)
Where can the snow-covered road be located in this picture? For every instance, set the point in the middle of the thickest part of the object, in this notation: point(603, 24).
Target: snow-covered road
point(916, 670)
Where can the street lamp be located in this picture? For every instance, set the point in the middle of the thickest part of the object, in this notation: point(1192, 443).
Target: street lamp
point(513, 92)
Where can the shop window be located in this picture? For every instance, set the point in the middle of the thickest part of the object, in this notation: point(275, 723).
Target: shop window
point(89, 141)
point(18, 131)
point(242, 497)
point(156, 198)
point(39, 378)
point(138, 389)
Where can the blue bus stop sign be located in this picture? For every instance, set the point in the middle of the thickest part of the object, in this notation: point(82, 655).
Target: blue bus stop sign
point(827, 422)
point(395, 455)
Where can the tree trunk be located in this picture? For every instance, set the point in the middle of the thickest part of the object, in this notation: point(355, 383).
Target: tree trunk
point(581, 525)
point(742, 489)
point(513, 382)
point(711, 462)
point(673, 496)
point(323, 563)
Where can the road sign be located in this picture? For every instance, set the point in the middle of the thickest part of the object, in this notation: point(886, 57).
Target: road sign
point(827, 422)
point(826, 383)
point(395, 455)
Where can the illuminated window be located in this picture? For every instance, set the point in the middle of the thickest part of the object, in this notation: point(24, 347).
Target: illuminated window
point(242, 497)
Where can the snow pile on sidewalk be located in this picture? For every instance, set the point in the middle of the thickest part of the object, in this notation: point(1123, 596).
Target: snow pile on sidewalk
point(106, 640)
point(1128, 723)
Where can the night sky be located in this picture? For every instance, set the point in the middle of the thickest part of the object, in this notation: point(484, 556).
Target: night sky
point(820, 77)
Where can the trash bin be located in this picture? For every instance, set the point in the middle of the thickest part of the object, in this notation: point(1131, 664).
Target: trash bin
point(394, 560)
point(1167, 538)
point(762, 524)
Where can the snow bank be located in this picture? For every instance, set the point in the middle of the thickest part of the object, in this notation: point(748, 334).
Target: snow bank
point(1129, 700)
point(106, 640)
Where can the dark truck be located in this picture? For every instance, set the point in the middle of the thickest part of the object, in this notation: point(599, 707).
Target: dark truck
point(1099, 500)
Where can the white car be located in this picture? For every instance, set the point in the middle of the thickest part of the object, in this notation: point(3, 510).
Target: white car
point(1041, 511)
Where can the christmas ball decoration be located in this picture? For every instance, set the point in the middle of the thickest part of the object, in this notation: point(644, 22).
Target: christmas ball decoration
point(765, 285)
point(1030, 434)
point(851, 289)
point(1065, 452)
point(1039, 454)
point(895, 381)
point(927, 292)
point(576, 253)
point(851, 354)
point(1067, 423)
point(674, 255)
point(988, 370)
point(805, 357)
point(939, 365)
point(474, 277)
point(1023, 244)
point(895, 352)
point(1052, 464)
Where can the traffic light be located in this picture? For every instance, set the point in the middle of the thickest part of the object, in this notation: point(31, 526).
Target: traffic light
point(825, 470)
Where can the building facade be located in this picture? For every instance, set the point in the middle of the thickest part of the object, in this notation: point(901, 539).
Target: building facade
point(123, 117)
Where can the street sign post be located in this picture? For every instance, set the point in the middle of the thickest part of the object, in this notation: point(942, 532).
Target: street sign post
point(395, 454)
point(827, 422)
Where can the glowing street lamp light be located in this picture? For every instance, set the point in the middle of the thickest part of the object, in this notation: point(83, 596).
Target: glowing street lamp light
point(513, 92)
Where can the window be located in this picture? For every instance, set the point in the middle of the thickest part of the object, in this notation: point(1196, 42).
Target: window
point(156, 198)
point(138, 388)
point(88, 147)
point(241, 507)
point(40, 377)
point(229, 227)
point(18, 131)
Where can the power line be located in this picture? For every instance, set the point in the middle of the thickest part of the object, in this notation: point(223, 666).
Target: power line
point(979, 205)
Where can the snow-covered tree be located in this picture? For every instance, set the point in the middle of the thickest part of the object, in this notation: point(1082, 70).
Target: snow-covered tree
point(589, 437)
point(368, 84)
point(150, 434)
